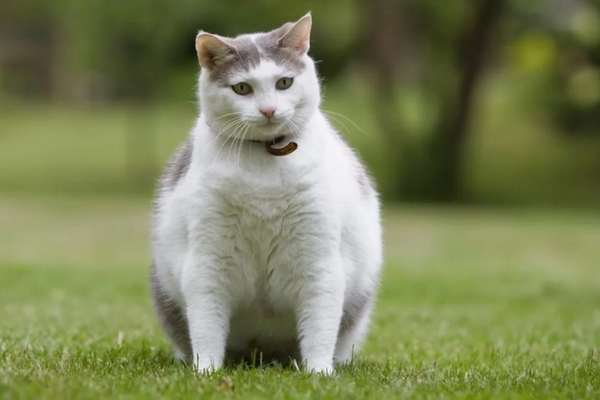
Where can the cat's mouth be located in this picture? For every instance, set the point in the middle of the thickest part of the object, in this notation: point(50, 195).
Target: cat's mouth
point(271, 122)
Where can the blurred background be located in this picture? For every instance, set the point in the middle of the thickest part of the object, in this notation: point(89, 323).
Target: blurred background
point(492, 102)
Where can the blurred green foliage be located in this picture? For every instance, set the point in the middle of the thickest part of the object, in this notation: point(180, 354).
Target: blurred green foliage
point(139, 46)
point(493, 101)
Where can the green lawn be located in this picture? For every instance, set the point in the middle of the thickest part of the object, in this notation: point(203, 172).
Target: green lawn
point(474, 303)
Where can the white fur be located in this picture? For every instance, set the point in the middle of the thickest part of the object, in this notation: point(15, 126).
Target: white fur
point(255, 246)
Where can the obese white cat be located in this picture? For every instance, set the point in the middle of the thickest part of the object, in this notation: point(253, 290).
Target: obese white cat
point(267, 238)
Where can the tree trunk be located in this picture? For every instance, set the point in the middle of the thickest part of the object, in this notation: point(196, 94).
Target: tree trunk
point(389, 42)
point(452, 133)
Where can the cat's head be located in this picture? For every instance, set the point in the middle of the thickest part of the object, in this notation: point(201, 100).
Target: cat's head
point(259, 85)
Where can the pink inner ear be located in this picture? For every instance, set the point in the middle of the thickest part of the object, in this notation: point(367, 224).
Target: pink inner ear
point(302, 44)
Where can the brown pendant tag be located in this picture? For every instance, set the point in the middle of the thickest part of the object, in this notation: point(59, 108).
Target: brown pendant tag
point(289, 149)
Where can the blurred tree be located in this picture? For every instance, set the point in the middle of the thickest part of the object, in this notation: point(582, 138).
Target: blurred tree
point(556, 45)
point(128, 50)
point(452, 39)
point(576, 101)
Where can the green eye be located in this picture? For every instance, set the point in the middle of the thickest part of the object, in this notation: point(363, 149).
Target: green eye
point(284, 83)
point(242, 88)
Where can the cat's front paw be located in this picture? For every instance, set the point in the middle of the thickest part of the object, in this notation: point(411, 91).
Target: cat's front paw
point(324, 368)
point(206, 368)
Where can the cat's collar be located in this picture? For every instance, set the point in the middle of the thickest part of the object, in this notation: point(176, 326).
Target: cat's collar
point(284, 151)
point(271, 142)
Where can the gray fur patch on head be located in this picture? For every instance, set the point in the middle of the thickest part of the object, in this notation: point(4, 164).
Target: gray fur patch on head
point(271, 49)
point(250, 51)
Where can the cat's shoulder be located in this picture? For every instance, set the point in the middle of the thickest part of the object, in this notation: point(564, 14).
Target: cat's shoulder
point(354, 163)
point(178, 165)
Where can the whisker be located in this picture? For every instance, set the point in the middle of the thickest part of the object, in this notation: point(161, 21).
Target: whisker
point(234, 145)
point(226, 115)
point(298, 120)
point(226, 140)
point(235, 150)
point(346, 130)
point(230, 123)
point(242, 143)
point(235, 137)
point(295, 129)
point(346, 118)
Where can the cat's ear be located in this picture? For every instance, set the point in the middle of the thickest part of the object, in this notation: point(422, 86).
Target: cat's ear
point(212, 50)
point(298, 37)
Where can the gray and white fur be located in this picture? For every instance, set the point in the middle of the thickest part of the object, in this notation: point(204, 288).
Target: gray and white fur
point(255, 254)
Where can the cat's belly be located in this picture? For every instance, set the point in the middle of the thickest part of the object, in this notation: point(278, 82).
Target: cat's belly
point(268, 241)
point(261, 336)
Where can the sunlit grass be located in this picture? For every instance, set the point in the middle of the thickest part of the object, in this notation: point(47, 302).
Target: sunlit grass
point(474, 303)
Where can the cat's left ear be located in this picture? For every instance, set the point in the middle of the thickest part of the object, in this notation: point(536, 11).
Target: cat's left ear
point(298, 37)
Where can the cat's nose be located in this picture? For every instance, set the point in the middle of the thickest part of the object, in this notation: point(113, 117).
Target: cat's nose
point(267, 111)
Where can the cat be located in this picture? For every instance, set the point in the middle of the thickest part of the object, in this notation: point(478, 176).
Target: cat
point(256, 252)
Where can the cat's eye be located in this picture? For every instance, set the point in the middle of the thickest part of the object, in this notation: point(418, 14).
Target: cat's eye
point(284, 83)
point(242, 88)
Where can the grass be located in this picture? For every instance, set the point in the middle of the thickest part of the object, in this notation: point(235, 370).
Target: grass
point(474, 304)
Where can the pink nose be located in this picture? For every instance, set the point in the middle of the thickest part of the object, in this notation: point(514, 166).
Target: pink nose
point(267, 111)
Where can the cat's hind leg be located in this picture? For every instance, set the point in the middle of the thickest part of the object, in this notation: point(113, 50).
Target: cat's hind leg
point(351, 335)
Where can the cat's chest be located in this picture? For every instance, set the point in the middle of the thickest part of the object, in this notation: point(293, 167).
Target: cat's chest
point(263, 194)
point(266, 229)
point(261, 216)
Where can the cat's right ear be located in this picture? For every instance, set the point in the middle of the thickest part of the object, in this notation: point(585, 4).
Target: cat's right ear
point(212, 50)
